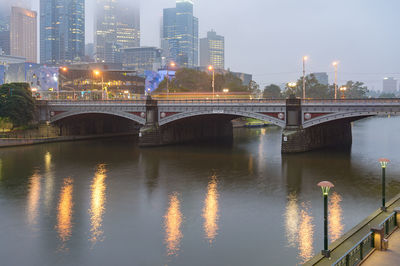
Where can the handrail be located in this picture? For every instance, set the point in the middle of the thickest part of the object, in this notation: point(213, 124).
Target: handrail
point(387, 218)
point(351, 249)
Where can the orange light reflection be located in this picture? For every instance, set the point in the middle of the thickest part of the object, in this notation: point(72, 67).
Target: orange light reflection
point(306, 235)
point(210, 211)
point(172, 223)
point(292, 219)
point(98, 200)
point(335, 217)
point(33, 198)
point(64, 216)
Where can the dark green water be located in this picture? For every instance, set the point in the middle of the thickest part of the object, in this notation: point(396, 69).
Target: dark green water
point(107, 202)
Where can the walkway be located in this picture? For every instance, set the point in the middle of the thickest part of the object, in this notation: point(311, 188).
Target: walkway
point(389, 257)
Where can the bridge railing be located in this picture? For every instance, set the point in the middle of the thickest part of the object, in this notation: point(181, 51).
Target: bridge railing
point(222, 101)
point(351, 101)
point(363, 247)
point(91, 102)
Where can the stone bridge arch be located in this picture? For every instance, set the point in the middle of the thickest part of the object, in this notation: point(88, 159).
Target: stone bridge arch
point(166, 118)
point(133, 117)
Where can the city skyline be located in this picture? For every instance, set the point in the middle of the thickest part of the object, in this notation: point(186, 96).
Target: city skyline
point(272, 59)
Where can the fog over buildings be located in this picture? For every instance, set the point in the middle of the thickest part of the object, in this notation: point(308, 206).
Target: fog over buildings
point(268, 37)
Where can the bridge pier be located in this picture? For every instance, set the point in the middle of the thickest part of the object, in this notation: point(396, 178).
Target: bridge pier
point(295, 138)
point(188, 130)
point(329, 135)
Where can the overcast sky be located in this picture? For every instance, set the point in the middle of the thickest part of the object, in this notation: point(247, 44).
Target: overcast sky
point(268, 38)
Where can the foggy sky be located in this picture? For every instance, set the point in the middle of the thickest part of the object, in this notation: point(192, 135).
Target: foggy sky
point(268, 38)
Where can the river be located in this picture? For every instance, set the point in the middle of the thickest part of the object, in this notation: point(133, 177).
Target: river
point(108, 202)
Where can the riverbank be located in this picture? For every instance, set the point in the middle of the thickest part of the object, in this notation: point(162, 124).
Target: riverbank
point(12, 142)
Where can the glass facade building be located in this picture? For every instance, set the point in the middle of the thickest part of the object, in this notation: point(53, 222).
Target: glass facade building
point(181, 34)
point(23, 33)
point(62, 31)
point(212, 50)
point(117, 27)
point(141, 59)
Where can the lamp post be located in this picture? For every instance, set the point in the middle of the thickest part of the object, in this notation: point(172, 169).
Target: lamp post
point(305, 58)
point(335, 65)
point(384, 162)
point(98, 73)
point(64, 70)
point(172, 64)
point(343, 91)
point(211, 68)
point(326, 186)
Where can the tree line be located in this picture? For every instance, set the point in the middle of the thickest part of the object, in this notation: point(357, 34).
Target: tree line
point(17, 106)
point(191, 80)
point(316, 90)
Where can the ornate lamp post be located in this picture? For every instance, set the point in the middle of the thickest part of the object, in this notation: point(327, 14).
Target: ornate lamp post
point(305, 58)
point(326, 186)
point(384, 162)
point(343, 91)
point(211, 68)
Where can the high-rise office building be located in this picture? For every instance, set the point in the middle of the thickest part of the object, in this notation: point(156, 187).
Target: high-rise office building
point(181, 34)
point(62, 31)
point(23, 33)
point(4, 32)
point(389, 85)
point(212, 50)
point(141, 59)
point(117, 27)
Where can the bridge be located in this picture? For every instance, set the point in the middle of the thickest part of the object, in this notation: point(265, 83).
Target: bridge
point(307, 123)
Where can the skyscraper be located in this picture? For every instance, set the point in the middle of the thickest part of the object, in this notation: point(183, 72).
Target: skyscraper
point(212, 50)
point(389, 85)
point(62, 31)
point(23, 33)
point(4, 32)
point(181, 34)
point(117, 27)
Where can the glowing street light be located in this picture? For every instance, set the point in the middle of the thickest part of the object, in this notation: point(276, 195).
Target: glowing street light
point(325, 186)
point(211, 68)
point(305, 58)
point(343, 89)
point(97, 73)
point(384, 162)
point(335, 65)
point(292, 84)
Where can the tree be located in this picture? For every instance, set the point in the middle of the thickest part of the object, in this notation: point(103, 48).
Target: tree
point(272, 91)
point(16, 103)
point(356, 90)
point(314, 89)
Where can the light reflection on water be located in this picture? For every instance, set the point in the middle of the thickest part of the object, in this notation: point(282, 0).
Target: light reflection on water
point(292, 220)
point(336, 226)
point(172, 224)
point(306, 234)
point(65, 212)
point(33, 198)
point(49, 181)
point(211, 211)
point(97, 204)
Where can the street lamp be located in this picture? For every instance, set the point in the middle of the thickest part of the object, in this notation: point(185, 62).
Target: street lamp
point(384, 162)
point(343, 90)
point(335, 65)
point(171, 64)
point(97, 73)
point(325, 186)
point(211, 68)
point(305, 58)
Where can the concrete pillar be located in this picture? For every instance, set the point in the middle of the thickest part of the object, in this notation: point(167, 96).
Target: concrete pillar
point(378, 237)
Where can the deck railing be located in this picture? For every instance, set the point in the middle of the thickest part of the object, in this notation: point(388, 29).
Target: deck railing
point(363, 247)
